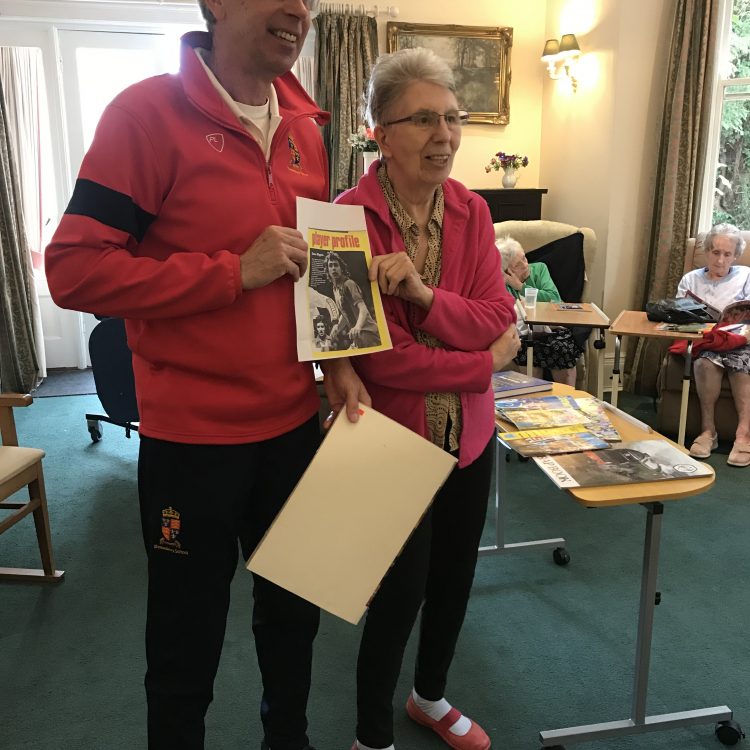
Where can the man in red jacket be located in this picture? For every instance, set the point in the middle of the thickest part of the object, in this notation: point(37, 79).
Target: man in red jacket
point(181, 222)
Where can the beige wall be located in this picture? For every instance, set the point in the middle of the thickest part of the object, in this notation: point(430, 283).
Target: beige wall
point(593, 149)
point(523, 133)
point(599, 144)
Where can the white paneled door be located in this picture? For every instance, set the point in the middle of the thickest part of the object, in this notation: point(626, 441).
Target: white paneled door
point(94, 67)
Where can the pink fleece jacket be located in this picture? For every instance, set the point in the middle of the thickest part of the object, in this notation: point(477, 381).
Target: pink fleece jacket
point(471, 308)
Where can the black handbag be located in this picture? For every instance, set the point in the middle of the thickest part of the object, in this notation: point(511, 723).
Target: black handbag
point(678, 310)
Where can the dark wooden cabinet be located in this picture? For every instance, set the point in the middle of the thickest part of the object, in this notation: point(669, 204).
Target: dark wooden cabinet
point(514, 203)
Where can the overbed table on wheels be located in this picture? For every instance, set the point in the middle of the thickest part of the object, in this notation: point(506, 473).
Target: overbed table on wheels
point(652, 496)
point(549, 314)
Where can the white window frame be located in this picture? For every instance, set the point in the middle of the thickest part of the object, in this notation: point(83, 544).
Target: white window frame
point(705, 216)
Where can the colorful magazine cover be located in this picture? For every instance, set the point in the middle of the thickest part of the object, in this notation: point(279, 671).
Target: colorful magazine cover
point(594, 417)
point(530, 419)
point(625, 463)
point(548, 442)
point(338, 310)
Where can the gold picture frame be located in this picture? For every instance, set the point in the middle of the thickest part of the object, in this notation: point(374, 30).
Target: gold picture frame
point(479, 57)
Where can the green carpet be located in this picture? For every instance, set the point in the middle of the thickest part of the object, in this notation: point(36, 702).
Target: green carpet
point(543, 647)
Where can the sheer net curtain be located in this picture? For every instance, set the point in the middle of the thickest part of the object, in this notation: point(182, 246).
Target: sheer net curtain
point(346, 47)
point(682, 153)
point(304, 70)
point(22, 220)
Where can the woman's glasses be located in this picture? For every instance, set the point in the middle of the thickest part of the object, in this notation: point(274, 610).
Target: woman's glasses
point(428, 120)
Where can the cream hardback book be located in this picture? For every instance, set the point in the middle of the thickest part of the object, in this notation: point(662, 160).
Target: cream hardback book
point(352, 511)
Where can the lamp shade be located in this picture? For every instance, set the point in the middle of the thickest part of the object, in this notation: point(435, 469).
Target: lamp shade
point(569, 45)
point(551, 49)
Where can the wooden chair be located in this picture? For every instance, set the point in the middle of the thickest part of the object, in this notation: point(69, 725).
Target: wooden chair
point(19, 468)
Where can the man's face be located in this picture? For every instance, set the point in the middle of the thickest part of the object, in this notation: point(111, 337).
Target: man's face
point(334, 269)
point(265, 37)
point(321, 328)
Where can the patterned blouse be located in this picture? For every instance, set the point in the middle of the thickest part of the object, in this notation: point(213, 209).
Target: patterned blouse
point(442, 408)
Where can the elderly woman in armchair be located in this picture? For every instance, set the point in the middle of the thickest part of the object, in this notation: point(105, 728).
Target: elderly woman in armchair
point(719, 284)
point(556, 349)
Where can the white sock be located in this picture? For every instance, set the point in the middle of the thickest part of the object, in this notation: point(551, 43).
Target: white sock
point(364, 747)
point(437, 709)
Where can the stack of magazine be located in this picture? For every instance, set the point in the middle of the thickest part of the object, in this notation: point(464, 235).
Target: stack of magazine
point(576, 445)
point(556, 424)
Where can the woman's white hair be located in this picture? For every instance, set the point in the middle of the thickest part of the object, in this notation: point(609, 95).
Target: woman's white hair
point(393, 72)
point(508, 248)
point(208, 16)
point(725, 230)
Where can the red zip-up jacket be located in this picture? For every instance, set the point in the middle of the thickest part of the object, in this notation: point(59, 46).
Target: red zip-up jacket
point(470, 309)
point(171, 192)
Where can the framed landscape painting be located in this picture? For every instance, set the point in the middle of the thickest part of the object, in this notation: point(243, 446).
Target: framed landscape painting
point(479, 57)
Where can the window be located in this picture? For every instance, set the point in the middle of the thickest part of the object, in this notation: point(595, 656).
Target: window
point(729, 172)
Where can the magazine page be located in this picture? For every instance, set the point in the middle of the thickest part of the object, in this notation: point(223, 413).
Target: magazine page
point(624, 463)
point(735, 313)
point(597, 420)
point(339, 311)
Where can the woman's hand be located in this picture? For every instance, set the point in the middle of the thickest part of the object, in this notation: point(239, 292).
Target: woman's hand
point(396, 276)
point(513, 281)
point(344, 389)
point(504, 348)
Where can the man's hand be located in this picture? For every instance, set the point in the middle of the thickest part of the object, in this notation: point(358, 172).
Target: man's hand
point(277, 251)
point(513, 281)
point(504, 348)
point(397, 276)
point(344, 389)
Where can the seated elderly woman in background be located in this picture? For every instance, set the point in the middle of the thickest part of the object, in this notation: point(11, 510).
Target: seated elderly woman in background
point(555, 350)
point(452, 325)
point(719, 284)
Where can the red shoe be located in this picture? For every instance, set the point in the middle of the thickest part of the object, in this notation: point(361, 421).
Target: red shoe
point(475, 739)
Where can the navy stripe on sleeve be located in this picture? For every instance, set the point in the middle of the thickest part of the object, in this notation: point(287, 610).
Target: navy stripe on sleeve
point(109, 207)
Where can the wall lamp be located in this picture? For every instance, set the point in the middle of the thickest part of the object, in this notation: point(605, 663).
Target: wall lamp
point(560, 58)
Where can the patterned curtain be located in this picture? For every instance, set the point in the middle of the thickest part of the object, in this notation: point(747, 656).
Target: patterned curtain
point(346, 47)
point(682, 154)
point(18, 360)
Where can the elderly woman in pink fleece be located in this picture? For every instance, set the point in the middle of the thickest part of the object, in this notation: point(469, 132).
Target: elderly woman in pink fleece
point(452, 324)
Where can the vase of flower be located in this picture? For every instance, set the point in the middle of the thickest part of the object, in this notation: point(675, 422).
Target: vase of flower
point(510, 177)
point(368, 157)
point(510, 164)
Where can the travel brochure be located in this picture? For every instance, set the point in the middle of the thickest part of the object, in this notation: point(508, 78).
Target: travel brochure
point(548, 442)
point(625, 463)
point(338, 310)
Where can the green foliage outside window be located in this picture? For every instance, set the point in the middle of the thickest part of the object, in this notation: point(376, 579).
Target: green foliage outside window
point(732, 196)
